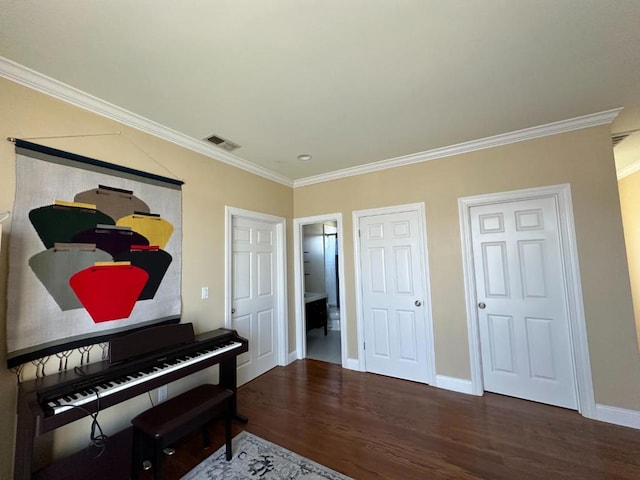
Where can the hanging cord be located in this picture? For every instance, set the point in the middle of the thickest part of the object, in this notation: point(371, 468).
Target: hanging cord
point(18, 371)
point(150, 157)
point(13, 139)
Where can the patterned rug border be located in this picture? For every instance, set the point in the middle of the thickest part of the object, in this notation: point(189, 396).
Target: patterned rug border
point(305, 467)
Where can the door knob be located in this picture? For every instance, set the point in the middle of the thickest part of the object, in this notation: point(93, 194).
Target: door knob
point(482, 305)
point(417, 303)
point(233, 310)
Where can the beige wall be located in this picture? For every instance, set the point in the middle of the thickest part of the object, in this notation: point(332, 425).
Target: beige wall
point(209, 186)
point(630, 205)
point(584, 159)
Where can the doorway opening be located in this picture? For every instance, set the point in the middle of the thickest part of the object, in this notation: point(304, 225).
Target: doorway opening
point(319, 298)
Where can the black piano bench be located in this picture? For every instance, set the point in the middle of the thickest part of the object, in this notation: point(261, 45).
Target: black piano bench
point(166, 423)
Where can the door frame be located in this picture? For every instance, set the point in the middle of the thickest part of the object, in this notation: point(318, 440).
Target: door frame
point(298, 266)
point(420, 209)
point(572, 285)
point(280, 272)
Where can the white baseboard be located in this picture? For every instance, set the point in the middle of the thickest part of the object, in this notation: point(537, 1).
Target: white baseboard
point(352, 364)
point(618, 416)
point(454, 384)
point(293, 356)
point(604, 413)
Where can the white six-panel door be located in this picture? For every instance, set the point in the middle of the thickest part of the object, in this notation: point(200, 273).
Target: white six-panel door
point(254, 303)
point(522, 306)
point(394, 306)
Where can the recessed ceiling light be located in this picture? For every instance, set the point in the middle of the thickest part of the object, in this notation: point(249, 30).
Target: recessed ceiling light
point(304, 157)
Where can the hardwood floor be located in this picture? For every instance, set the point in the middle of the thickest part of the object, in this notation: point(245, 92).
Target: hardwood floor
point(373, 427)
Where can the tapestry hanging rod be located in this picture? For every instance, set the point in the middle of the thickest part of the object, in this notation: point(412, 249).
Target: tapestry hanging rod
point(13, 139)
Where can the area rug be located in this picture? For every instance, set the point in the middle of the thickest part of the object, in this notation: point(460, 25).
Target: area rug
point(255, 458)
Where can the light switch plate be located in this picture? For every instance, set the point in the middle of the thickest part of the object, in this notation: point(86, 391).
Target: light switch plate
point(205, 292)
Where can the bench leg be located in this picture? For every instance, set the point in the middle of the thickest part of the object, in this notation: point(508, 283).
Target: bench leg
point(157, 465)
point(205, 435)
point(227, 431)
point(135, 455)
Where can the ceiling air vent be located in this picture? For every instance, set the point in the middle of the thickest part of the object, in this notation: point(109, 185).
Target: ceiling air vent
point(619, 137)
point(228, 145)
point(616, 138)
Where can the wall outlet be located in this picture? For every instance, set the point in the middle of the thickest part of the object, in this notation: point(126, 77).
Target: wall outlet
point(205, 292)
point(162, 393)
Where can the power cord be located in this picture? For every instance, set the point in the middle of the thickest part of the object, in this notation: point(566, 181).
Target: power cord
point(98, 440)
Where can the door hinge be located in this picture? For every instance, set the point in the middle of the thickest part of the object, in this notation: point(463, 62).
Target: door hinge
point(364, 346)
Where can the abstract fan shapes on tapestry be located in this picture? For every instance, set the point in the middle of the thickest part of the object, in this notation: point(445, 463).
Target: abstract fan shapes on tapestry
point(104, 252)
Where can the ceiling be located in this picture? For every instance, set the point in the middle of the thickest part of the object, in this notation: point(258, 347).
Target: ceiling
point(349, 82)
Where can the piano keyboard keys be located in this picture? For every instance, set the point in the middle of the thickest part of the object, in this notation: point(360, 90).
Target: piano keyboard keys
point(60, 405)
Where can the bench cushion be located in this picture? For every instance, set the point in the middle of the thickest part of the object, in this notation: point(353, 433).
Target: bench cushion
point(191, 408)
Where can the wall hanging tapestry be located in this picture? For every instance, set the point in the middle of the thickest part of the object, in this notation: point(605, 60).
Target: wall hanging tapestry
point(95, 250)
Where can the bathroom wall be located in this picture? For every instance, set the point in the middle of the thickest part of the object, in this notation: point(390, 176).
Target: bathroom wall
point(330, 267)
point(313, 248)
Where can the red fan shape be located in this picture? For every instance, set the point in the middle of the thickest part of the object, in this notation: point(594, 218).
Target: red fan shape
point(109, 292)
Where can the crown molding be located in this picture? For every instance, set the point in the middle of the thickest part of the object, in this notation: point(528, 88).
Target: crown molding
point(30, 78)
point(49, 86)
point(628, 170)
point(585, 121)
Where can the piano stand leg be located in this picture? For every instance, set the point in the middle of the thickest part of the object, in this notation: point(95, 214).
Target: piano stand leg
point(25, 433)
point(240, 418)
point(228, 379)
